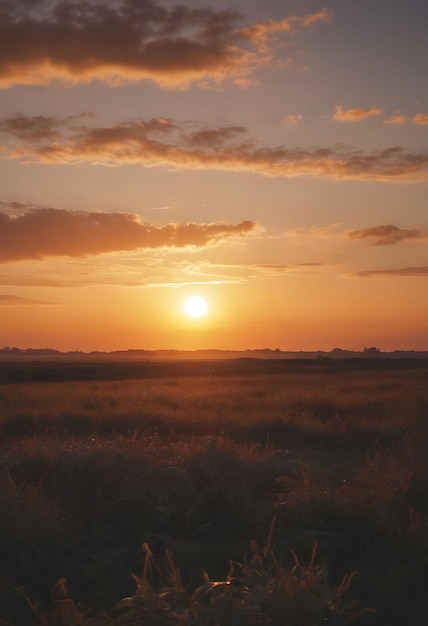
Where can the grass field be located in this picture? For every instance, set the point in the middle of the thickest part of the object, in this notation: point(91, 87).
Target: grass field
point(228, 493)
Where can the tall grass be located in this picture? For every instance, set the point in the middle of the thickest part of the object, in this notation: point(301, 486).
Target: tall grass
point(294, 498)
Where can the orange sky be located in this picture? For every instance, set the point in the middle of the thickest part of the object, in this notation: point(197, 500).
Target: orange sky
point(270, 157)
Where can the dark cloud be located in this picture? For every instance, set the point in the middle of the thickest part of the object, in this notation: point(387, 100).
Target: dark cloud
point(48, 232)
point(30, 128)
point(39, 127)
point(15, 205)
point(213, 137)
point(402, 271)
point(131, 40)
point(164, 143)
point(387, 234)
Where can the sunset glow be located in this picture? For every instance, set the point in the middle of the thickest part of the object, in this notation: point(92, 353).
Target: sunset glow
point(195, 307)
point(270, 158)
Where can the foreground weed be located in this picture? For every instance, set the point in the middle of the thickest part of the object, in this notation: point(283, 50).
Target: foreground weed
point(256, 592)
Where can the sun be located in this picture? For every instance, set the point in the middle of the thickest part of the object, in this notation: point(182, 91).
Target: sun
point(195, 306)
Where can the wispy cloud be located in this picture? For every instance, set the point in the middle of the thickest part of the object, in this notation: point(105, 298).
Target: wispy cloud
point(401, 271)
point(274, 269)
point(388, 234)
point(39, 126)
point(35, 280)
point(128, 40)
point(396, 119)
point(204, 272)
point(189, 283)
point(213, 137)
point(16, 206)
point(354, 115)
point(421, 119)
point(314, 231)
point(291, 120)
point(42, 233)
point(7, 300)
point(166, 143)
point(261, 31)
point(383, 235)
point(246, 271)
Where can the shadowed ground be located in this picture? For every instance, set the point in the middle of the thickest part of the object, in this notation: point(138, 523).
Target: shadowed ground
point(129, 489)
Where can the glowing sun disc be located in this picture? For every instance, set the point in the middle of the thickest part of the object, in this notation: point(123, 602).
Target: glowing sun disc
point(195, 307)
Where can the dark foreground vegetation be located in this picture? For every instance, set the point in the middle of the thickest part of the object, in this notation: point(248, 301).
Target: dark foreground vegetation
point(236, 493)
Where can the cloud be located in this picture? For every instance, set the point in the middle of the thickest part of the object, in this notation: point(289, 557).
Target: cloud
point(202, 272)
point(402, 271)
point(383, 235)
point(261, 31)
point(15, 205)
point(421, 119)
point(273, 269)
point(35, 280)
point(291, 120)
point(166, 143)
point(314, 231)
point(178, 285)
point(213, 137)
point(387, 234)
point(242, 272)
point(396, 119)
point(7, 300)
point(128, 40)
point(33, 128)
point(48, 232)
point(354, 115)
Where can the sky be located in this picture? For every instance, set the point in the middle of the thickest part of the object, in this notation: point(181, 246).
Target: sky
point(270, 157)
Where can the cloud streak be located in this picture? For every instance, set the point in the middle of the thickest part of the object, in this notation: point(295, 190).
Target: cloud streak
point(31, 280)
point(128, 40)
point(165, 143)
point(421, 119)
point(47, 232)
point(243, 272)
point(314, 231)
point(354, 115)
point(261, 31)
point(396, 119)
point(418, 271)
point(8, 300)
point(274, 269)
point(387, 234)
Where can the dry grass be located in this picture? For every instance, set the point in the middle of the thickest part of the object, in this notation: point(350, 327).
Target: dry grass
point(195, 470)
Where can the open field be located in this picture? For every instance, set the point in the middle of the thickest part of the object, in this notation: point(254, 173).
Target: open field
point(228, 493)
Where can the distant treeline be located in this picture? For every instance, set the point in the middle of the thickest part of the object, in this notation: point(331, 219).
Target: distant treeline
point(259, 353)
